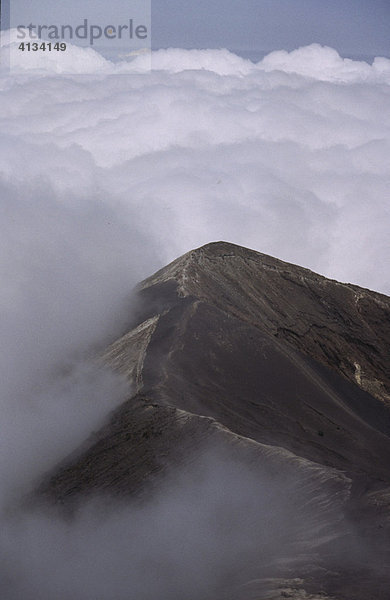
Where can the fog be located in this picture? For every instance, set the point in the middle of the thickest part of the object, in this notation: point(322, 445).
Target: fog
point(217, 530)
point(67, 271)
point(107, 172)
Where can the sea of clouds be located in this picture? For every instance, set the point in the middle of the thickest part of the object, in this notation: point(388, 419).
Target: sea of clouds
point(288, 156)
point(108, 171)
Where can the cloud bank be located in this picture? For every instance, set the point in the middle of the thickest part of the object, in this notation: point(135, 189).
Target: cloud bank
point(287, 156)
point(108, 171)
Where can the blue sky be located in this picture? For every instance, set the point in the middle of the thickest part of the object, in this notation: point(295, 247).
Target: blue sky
point(353, 27)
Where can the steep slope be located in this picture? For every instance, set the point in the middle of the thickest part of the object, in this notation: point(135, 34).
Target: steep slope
point(272, 351)
point(274, 366)
point(340, 325)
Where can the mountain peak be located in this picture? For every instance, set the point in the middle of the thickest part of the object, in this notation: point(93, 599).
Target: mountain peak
point(215, 259)
point(273, 364)
point(224, 257)
point(338, 324)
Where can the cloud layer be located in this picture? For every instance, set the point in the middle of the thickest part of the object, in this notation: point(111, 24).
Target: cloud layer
point(287, 156)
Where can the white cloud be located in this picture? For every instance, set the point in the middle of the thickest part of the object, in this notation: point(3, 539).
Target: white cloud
point(209, 145)
point(74, 60)
point(325, 64)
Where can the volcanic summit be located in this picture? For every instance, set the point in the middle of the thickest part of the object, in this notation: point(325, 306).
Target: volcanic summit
point(280, 370)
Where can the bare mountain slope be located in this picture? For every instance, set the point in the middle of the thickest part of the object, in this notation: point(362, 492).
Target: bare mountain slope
point(272, 351)
point(278, 368)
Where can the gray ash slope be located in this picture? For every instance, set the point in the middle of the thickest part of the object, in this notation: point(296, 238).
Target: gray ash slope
point(277, 367)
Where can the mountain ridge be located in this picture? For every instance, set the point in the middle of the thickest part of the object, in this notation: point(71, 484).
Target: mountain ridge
point(225, 249)
point(259, 362)
point(188, 272)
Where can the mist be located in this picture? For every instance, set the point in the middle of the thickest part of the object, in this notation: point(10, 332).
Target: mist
point(61, 301)
point(215, 525)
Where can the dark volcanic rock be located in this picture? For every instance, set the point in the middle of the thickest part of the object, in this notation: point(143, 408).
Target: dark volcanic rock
point(272, 351)
point(284, 368)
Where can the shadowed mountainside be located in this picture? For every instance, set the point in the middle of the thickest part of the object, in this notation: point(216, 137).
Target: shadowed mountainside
point(275, 366)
